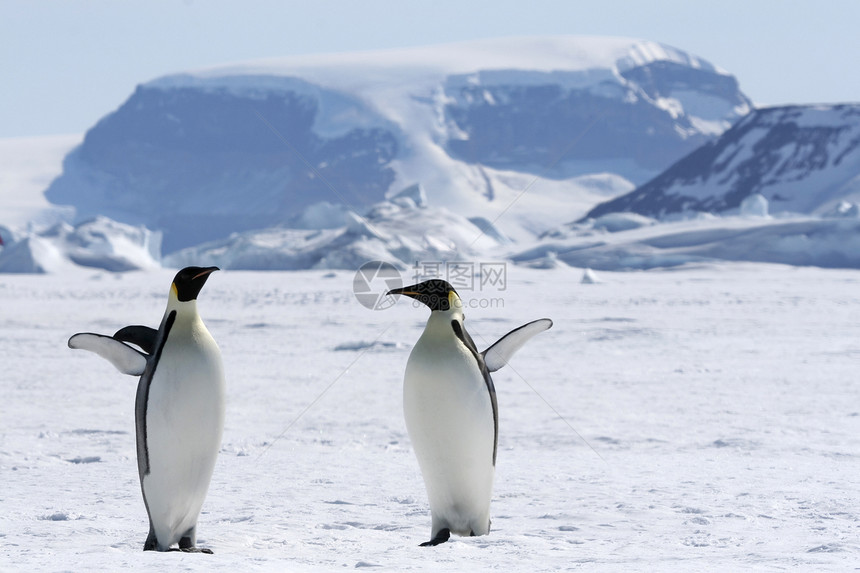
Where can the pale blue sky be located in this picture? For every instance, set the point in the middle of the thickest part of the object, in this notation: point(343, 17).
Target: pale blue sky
point(66, 63)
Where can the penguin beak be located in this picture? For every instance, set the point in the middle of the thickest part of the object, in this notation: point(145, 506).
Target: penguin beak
point(205, 272)
point(405, 291)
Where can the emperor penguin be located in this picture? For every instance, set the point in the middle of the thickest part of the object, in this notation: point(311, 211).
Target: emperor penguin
point(452, 417)
point(179, 409)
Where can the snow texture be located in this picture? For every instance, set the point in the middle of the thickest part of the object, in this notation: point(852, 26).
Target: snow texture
point(719, 400)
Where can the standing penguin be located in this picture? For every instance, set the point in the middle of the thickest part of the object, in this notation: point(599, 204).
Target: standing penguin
point(452, 417)
point(179, 410)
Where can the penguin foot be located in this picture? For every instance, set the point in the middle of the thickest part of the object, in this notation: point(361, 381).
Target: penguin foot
point(197, 550)
point(192, 550)
point(441, 537)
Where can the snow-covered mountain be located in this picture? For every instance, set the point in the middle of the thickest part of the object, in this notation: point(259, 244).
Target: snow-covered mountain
point(201, 155)
point(802, 159)
point(451, 153)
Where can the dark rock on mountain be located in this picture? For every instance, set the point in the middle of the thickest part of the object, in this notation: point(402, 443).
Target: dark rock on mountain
point(802, 159)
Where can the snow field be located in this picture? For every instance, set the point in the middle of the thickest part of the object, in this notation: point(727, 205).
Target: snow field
point(721, 400)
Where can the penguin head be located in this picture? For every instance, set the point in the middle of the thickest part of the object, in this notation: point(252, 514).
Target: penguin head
point(188, 282)
point(435, 293)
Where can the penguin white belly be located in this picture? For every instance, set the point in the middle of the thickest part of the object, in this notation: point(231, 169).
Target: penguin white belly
point(449, 417)
point(184, 423)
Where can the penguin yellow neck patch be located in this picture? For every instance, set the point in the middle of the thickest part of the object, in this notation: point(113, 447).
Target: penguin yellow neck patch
point(454, 302)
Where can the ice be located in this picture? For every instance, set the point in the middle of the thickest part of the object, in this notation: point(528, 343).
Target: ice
point(397, 231)
point(32, 254)
point(414, 193)
point(322, 215)
point(98, 243)
point(754, 206)
point(615, 222)
point(841, 209)
point(796, 240)
point(589, 277)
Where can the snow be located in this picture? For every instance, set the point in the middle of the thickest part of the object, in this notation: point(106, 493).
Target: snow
point(99, 242)
point(36, 237)
point(522, 201)
point(844, 209)
point(707, 112)
point(589, 277)
point(398, 231)
point(27, 166)
point(406, 91)
point(414, 193)
point(567, 79)
point(793, 240)
point(615, 222)
point(802, 159)
point(719, 400)
point(407, 228)
point(646, 52)
point(754, 205)
point(322, 215)
point(380, 70)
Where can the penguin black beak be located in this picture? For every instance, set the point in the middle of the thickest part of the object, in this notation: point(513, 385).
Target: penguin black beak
point(205, 272)
point(404, 291)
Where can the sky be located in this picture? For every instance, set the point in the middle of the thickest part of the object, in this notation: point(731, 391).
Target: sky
point(64, 64)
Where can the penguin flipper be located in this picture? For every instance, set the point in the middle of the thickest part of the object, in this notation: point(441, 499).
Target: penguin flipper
point(141, 336)
point(125, 358)
point(497, 355)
